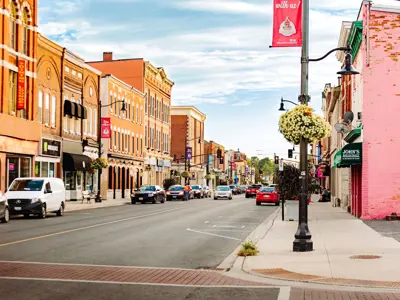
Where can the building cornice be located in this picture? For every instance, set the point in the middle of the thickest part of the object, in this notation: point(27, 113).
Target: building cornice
point(119, 81)
point(188, 111)
point(344, 35)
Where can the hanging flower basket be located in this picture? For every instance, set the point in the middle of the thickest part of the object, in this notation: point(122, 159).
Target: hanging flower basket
point(302, 122)
point(99, 163)
point(185, 174)
point(207, 177)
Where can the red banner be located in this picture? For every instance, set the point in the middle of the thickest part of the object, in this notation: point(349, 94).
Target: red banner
point(287, 31)
point(105, 128)
point(21, 84)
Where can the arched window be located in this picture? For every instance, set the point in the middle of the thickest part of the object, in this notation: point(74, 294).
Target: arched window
point(25, 22)
point(13, 25)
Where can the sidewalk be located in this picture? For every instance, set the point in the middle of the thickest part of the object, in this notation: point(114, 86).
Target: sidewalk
point(341, 256)
point(77, 205)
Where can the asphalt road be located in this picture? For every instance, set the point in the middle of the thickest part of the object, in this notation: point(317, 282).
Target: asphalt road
point(199, 233)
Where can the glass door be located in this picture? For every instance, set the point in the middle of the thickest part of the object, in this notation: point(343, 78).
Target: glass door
point(12, 170)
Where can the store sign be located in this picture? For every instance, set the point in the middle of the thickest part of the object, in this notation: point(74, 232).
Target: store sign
point(21, 84)
point(51, 148)
point(105, 128)
point(287, 26)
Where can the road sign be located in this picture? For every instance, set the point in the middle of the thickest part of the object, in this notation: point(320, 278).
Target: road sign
point(281, 164)
point(188, 152)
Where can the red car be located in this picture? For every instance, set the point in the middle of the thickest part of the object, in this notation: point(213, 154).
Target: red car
point(252, 190)
point(267, 195)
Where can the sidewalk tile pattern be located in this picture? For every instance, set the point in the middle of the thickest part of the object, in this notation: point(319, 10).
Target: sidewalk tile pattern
point(118, 274)
point(287, 275)
point(309, 294)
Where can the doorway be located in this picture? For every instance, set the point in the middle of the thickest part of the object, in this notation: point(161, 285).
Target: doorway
point(123, 183)
point(18, 167)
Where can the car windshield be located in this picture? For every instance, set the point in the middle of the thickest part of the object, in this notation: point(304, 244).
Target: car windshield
point(176, 188)
point(150, 188)
point(195, 187)
point(255, 186)
point(267, 190)
point(223, 188)
point(34, 185)
point(232, 186)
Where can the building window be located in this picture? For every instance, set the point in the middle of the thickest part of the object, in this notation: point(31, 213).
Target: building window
point(13, 92)
point(40, 107)
point(115, 105)
point(53, 111)
point(111, 140)
point(47, 109)
point(89, 121)
point(137, 144)
point(119, 141)
point(141, 116)
point(133, 113)
point(123, 142)
point(111, 109)
point(13, 26)
point(115, 139)
point(145, 136)
point(137, 113)
point(25, 32)
point(133, 144)
point(141, 146)
point(145, 105)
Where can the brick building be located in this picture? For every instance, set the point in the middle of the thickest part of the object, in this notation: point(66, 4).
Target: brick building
point(187, 130)
point(215, 167)
point(125, 148)
point(19, 134)
point(370, 148)
point(155, 84)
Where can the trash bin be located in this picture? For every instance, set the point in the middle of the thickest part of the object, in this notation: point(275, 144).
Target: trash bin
point(292, 210)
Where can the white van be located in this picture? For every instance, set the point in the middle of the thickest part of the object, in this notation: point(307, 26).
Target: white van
point(36, 196)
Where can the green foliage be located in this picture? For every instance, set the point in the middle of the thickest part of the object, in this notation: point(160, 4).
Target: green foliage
point(248, 249)
point(185, 174)
point(99, 163)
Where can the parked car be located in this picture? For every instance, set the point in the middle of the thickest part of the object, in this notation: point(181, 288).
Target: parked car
point(223, 191)
point(267, 195)
point(198, 192)
point(243, 189)
point(207, 191)
point(4, 209)
point(37, 196)
point(148, 193)
point(176, 192)
point(234, 189)
point(252, 190)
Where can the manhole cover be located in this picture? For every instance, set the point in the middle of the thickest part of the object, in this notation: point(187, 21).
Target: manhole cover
point(365, 257)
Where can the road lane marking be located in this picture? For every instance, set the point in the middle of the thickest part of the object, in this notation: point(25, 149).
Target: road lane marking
point(87, 227)
point(213, 234)
point(228, 226)
point(206, 222)
point(284, 293)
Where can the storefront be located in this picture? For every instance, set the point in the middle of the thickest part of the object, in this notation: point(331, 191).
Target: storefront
point(47, 163)
point(16, 159)
point(350, 156)
point(77, 173)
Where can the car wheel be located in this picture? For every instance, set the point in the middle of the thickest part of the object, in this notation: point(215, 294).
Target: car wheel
point(215, 198)
point(154, 200)
point(163, 199)
point(60, 212)
point(230, 198)
point(133, 201)
point(6, 217)
point(276, 203)
point(43, 213)
point(247, 196)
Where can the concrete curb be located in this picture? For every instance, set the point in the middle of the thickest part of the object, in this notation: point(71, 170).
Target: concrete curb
point(256, 235)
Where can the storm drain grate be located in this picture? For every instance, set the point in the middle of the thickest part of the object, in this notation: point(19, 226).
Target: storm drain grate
point(365, 257)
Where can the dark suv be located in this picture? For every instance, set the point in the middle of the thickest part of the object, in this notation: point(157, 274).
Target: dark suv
point(148, 193)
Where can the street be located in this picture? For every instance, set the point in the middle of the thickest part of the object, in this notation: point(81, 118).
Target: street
point(198, 234)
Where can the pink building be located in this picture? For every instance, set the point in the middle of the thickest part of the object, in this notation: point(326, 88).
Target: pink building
point(370, 149)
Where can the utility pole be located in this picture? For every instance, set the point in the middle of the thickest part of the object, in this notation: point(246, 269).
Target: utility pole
point(303, 242)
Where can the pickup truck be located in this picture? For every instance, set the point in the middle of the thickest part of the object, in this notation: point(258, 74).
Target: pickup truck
point(252, 190)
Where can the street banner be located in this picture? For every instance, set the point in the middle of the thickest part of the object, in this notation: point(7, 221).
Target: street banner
point(105, 128)
point(188, 152)
point(281, 164)
point(287, 26)
point(21, 84)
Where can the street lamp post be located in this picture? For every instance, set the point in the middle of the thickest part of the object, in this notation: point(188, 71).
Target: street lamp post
point(187, 161)
point(123, 108)
point(303, 241)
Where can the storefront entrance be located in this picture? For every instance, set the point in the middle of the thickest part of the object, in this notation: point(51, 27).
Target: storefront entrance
point(18, 166)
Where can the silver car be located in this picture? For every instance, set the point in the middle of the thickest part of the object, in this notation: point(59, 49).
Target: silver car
point(223, 191)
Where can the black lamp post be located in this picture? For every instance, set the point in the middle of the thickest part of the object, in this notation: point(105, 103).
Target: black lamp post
point(123, 108)
point(187, 161)
point(282, 107)
point(303, 241)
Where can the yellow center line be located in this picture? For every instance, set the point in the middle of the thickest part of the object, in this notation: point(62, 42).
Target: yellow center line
point(87, 227)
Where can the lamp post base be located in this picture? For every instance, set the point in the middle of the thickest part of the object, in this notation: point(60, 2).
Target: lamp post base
point(303, 241)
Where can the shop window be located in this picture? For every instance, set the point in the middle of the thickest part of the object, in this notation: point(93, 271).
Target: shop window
point(18, 167)
point(44, 170)
point(70, 180)
point(13, 92)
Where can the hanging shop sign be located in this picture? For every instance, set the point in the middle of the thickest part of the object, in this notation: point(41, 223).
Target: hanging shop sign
point(21, 84)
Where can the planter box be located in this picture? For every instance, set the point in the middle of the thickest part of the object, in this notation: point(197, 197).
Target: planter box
point(291, 210)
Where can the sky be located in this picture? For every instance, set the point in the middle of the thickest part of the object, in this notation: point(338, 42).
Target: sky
point(217, 53)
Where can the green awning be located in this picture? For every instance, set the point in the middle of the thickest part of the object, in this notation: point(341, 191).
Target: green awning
point(349, 155)
point(353, 135)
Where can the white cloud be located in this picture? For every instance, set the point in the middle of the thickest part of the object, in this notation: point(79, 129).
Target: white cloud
point(242, 103)
point(225, 6)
